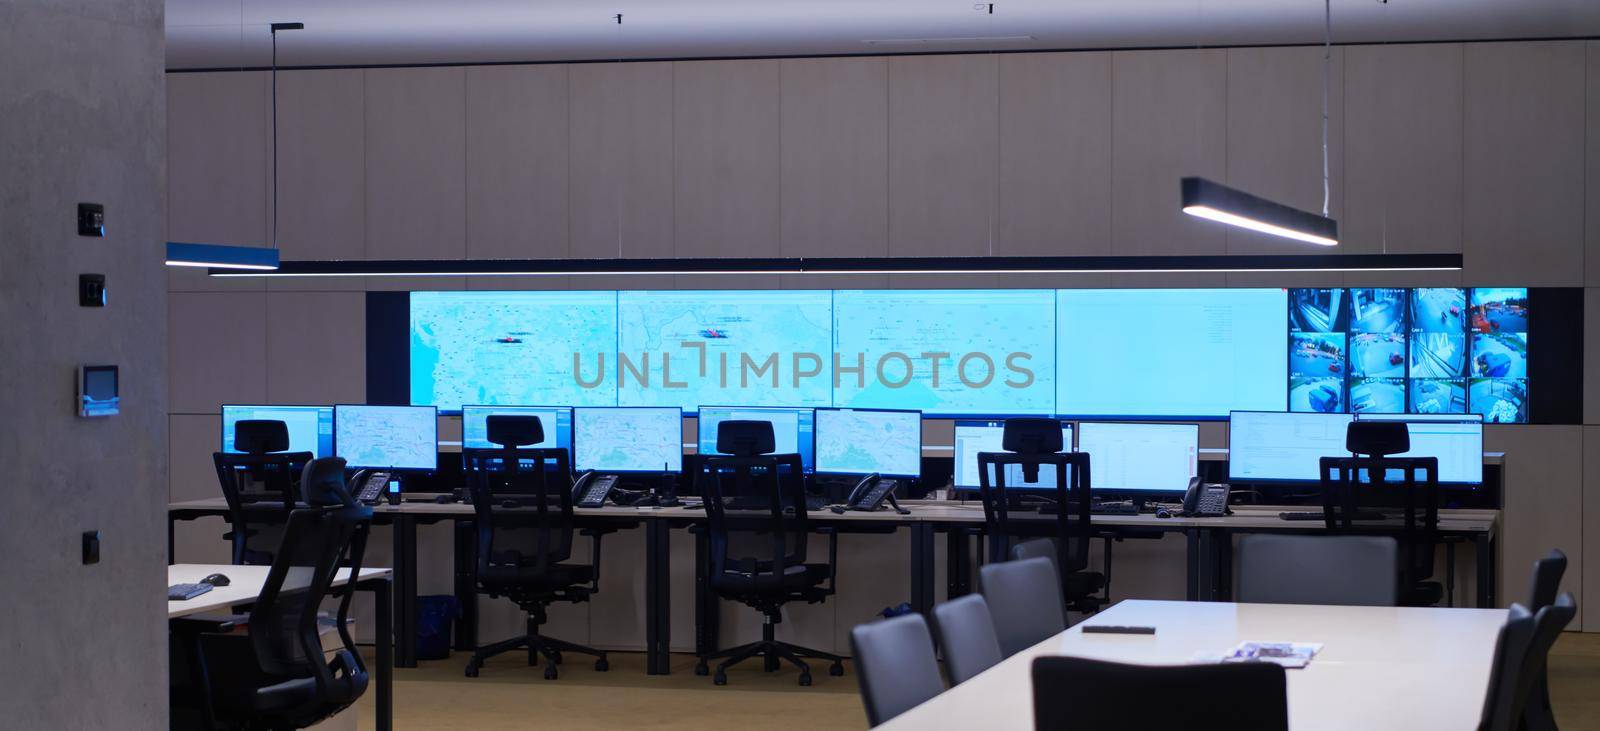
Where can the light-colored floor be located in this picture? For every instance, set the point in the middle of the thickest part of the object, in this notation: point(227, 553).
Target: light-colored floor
point(511, 695)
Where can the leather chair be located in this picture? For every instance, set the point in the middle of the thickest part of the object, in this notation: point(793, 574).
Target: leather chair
point(1318, 569)
point(967, 637)
point(1022, 596)
point(1353, 485)
point(1071, 692)
point(895, 666)
point(1537, 714)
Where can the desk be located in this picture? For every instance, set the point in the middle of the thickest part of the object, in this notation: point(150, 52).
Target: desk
point(1380, 667)
point(245, 583)
point(1208, 546)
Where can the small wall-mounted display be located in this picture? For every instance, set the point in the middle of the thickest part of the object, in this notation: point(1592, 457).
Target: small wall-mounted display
point(97, 391)
point(1440, 350)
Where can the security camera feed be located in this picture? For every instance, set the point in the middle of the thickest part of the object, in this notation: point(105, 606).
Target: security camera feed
point(1378, 355)
point(1316, 310)
point(1317, 395)
point(1377, 310)
point(1438, 396)
point(1438, 350)
point(1438, 310)
point(1500, 400)
point(1438, 355)
point(1316, 354)
point(1378, 395)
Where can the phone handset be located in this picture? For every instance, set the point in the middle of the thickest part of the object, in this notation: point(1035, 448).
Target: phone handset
point(870, 493)
point(372, 484)
point(592, 488)
point(1205, 501)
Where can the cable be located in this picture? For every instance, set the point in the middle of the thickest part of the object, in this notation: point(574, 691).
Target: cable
point(1327, 56)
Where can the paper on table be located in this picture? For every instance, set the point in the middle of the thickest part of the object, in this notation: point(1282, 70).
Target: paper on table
point(1288, 654)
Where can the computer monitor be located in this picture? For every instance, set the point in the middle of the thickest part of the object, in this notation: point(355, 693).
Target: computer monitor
point(1281, 446)
point(1456, 441)
point(556, 421)
point(387, 437)
point(792, 428)
point(865, 441)
point(310, 427)
point(628, 439)
point(1133, 457)
point(974, 436)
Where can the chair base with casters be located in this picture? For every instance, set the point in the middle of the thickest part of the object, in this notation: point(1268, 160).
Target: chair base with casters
point(771, 651)
point(537, 644)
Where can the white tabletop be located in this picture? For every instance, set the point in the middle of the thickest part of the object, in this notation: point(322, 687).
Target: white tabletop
point(244, 585)
point(1380, 667)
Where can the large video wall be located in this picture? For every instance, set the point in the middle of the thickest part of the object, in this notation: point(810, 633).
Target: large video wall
point(1429, 351)
point(1145, 353)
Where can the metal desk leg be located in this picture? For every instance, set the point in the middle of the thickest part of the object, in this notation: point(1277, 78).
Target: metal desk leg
point(958, 563)
point(1450, 573)
point(1222, 576)
point(466, 535)
point(1192, 563)
point(1485, 558)
point(172, 533)
point(706, 619)
point(657, 598)
point(383, 611)
point(405, 590)
point(922, 572)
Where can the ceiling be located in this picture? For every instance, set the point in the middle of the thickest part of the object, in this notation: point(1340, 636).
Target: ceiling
point(231, 33)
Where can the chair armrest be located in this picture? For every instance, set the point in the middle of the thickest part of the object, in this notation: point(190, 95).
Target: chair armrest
point(199, 623)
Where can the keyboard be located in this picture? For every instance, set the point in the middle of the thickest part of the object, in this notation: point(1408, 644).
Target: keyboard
point(1124, 507)
point(185, 592)
point(1318, 515)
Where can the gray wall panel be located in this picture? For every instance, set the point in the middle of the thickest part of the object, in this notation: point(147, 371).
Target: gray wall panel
point(217, 345)
point(322, 177)
point(416, 169)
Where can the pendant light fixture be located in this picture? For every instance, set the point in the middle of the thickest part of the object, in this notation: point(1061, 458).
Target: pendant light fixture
point(1217, 202)
point(223, 257)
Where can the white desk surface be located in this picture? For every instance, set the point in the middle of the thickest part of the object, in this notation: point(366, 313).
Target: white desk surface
point(1380, 667)
point(244, 585)
point(1256, 517)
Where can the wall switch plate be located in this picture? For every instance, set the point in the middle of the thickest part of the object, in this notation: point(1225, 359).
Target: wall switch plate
point(91, 220)
point(91, 547)
point(91, 290)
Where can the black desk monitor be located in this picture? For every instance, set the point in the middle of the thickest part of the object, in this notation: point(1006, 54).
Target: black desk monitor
point(310, 427)
point(387, 437)
point(1140, 457)
point(975, 435)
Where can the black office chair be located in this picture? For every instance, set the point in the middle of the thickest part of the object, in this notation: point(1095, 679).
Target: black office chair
point(277, 675)
point(1021, 598)
point(1500, 710)
point(525, 526)
point(1532, 687)
point(1071, 692)
point(895, 666)
point(1318, 569)
point(1537, 714)
point(1353, 485)
point(1032, 443)
point(261, 475)
point(758, 555)
point(967, 637)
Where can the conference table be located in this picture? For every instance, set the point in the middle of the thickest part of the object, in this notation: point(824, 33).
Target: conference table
point(245, 583)
point(1380, 667)
point(1207, 557)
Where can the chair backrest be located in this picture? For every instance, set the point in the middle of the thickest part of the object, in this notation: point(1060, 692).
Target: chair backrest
point(1024, 597)
point(1318, 569)
point(757, 525)
point(1547, 573)
point(1036, 548)
point(1548, 625)
point(1500, 712)
point(1072, 529)
point(1349, 483)
point(1070, 692)
point(967, 637)
point(322, 483)
point(895, 665)
point(260, 474)
point(522, 500)
point(317, 543)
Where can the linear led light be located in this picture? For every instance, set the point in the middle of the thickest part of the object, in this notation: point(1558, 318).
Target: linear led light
point(957, 265)
point(219, 258)
point(1218, 202)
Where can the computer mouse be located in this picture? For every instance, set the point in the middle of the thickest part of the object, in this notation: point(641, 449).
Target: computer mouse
point(445, 499)
point(1163, 513)
point(216, 580)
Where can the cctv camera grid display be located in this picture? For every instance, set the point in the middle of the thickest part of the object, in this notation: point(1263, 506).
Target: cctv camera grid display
point(1427, 351)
